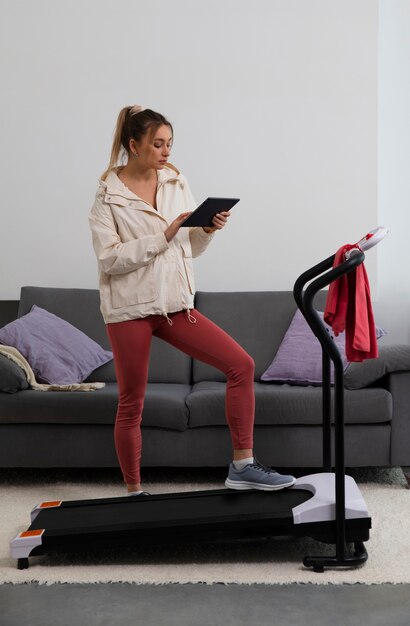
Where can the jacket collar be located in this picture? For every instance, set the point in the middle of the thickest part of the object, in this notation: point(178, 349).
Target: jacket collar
point(114, 186)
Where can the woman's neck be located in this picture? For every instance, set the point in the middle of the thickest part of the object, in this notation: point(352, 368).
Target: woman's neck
point(136, 172)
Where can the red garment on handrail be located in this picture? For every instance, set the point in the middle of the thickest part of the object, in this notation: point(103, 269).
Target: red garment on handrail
point(349, 308)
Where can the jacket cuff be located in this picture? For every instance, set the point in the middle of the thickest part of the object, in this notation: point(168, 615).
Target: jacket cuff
point(204, 235)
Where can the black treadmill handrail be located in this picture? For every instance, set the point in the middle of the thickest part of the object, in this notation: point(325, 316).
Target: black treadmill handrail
point(308, 275)
point(304, 300)
point(322, 280)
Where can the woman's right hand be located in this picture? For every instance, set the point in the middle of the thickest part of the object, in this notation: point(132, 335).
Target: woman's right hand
point(174, 227)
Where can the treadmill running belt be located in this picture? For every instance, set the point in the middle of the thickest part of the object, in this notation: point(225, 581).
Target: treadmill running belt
point(164, 510)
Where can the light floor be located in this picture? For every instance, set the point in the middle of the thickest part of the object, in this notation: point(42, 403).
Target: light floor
point(204, 605)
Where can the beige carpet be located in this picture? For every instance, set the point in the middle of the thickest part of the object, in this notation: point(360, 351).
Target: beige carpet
point(277, 561)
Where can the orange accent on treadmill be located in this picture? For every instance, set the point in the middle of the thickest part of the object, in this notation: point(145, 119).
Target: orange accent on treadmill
point(32, 533)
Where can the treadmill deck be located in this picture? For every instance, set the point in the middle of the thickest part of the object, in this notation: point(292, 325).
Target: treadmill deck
point(212, 515)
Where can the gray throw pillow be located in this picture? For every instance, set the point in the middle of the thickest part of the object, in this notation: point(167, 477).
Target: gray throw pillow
point(298, 360)
point(57, 352)
point(393, 358)
point(12, 377)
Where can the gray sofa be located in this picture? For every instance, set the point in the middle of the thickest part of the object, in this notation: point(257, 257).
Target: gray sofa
point(184, 420)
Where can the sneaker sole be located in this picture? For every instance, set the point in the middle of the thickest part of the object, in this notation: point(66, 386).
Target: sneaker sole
point(241, 485)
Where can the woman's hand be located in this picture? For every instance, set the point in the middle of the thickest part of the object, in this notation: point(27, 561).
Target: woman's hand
point(219, 220)
point(174, 227)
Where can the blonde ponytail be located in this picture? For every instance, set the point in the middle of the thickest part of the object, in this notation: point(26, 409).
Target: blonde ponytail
point(117, 143)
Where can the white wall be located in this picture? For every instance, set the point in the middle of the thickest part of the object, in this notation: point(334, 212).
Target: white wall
point(273, 101)
point(392, 306)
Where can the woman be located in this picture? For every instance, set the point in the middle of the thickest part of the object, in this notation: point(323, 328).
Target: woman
point(147, 288)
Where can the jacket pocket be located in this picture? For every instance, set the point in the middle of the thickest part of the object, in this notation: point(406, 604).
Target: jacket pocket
point(136, 287)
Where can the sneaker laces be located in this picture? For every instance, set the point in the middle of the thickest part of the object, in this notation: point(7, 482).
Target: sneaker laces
point(257, 465)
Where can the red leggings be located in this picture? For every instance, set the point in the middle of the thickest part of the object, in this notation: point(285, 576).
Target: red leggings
point(203, 341)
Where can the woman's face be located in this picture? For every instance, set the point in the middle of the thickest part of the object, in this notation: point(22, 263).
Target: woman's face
point(153, 152)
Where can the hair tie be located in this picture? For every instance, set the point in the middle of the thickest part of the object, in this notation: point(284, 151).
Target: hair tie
point(137, 108)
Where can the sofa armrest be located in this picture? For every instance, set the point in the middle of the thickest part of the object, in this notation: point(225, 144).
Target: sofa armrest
point(391, 359)
point(398, 383)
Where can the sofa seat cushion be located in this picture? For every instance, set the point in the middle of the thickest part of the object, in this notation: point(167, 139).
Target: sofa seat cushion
point(165, 406)
point(287, 404)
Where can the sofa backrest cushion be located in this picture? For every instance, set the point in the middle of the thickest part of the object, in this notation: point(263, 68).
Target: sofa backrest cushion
point(257, 320)
point(8, 311)
point(81, 308)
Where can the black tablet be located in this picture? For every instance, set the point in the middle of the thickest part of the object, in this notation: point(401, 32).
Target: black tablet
point(202, 216)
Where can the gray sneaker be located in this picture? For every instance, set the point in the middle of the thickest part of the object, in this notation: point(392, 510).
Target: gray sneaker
point(256, 476)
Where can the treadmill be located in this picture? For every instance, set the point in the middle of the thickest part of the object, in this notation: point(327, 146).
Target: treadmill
point(325, 506)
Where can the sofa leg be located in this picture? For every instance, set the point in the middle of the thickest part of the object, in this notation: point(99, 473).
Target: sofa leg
point(406, 472)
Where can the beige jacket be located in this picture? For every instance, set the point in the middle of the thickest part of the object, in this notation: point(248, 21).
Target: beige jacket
point(140, 273)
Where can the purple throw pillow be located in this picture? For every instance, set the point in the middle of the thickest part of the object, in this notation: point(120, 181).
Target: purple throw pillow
point(57, 352)
point(298, 360)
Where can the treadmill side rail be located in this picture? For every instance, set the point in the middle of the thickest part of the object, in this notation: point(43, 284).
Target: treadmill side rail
point(322, 507)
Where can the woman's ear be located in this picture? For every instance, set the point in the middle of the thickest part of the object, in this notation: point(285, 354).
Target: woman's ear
point(133, 148)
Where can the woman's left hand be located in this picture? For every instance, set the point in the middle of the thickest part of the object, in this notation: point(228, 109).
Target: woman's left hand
point(219, 220)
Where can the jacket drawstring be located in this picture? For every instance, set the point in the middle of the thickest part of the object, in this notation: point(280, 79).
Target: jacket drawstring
point(169, 320)
point(191, 318)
